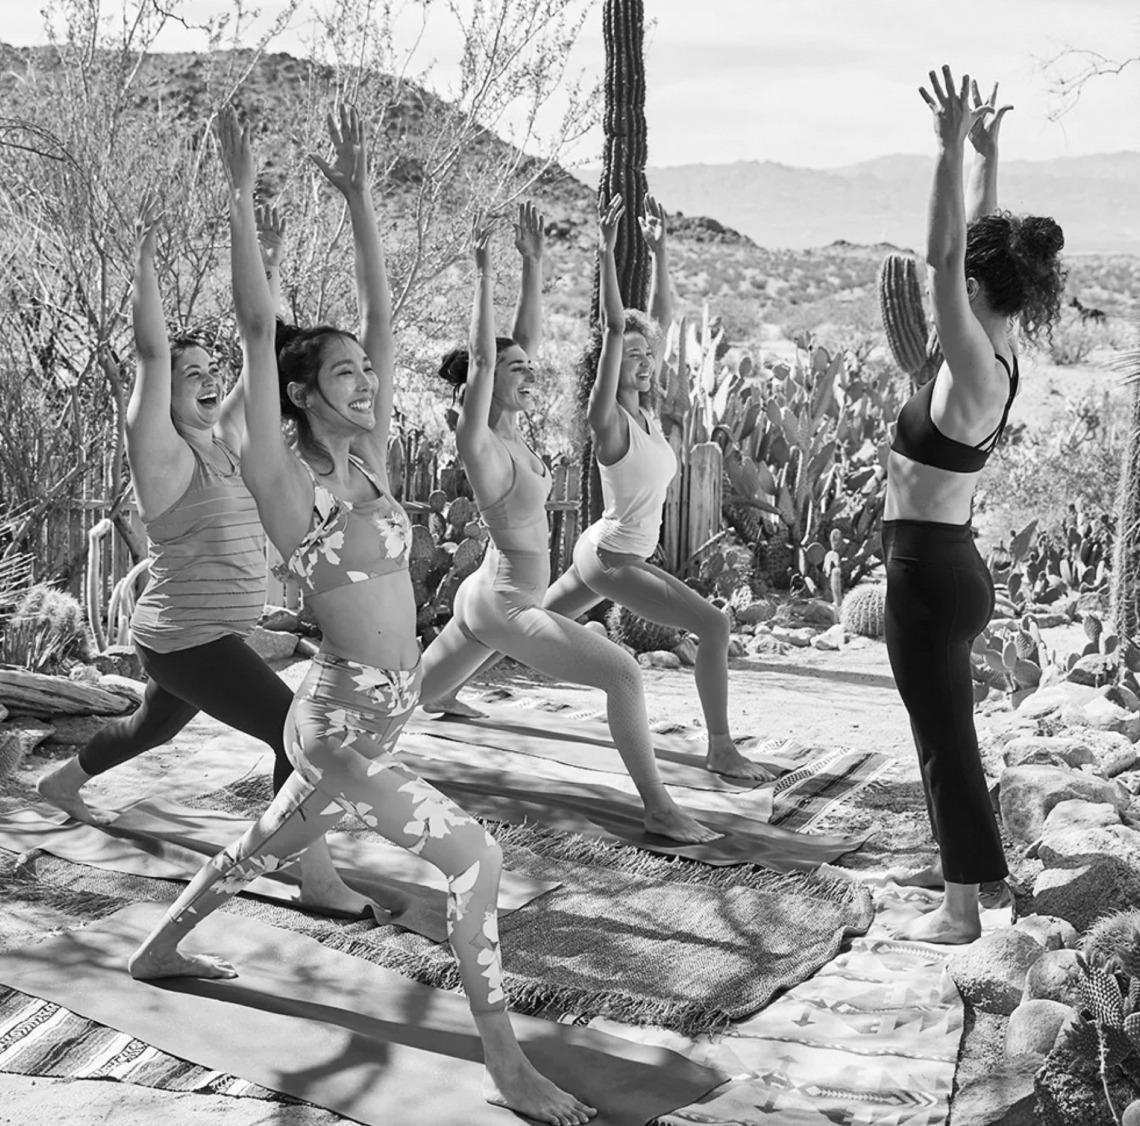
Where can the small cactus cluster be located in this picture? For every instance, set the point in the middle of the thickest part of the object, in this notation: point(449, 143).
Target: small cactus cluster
point(863, 612)
point(641, 635)
point(47, 632)
point(1010, 662)
point(915, 347)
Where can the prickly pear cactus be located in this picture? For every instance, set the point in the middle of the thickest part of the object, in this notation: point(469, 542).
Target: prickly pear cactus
point(864, 610)
point(641, 635)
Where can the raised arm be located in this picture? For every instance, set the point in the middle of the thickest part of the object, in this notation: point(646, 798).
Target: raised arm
point(530, 238)
point(348, 173)
point(969, 354)
point(602, 410)
point(158, 457)
point(270, 470)
point(981, 194)
point(473, 427)
point(661, 290)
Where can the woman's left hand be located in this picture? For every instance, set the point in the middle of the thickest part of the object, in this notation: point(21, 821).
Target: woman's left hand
point(348, 172)
point(270, 234)
point(653, 225)
point(953, 116)
point(984, 131)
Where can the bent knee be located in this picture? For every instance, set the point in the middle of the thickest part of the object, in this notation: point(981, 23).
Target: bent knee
point(714, 627)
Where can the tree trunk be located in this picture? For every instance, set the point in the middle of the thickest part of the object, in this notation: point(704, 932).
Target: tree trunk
point(623, 172)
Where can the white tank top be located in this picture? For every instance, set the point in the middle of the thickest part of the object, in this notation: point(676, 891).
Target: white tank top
point(634, 489)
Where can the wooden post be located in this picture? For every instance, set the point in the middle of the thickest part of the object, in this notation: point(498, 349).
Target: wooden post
point(671, 534)
point(704, 495)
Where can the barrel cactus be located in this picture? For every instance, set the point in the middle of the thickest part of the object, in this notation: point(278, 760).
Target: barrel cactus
point(864, 611)
point(915, 347)
point(641, 635)
point(1112, 943)
point(47, 631)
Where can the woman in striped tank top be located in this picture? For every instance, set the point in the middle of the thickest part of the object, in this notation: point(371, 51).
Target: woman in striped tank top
point(207, 575)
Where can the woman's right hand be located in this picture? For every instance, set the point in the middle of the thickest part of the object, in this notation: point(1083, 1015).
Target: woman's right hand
point(270, 234)
point(984, 131)
point(146, 224)
point(348, 172)
point(608, 219)
point(481, 227)
point(237, 151)
point(954, 118)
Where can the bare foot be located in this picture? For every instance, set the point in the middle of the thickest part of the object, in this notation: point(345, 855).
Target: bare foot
point(928, 877)
point(724, 758)
point(145, 965)
point(58, 787)
point(939, 926)
point(525, 1090)
point(452, 705)
point(675, 823)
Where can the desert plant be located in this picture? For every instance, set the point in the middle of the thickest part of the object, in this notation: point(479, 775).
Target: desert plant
point(863, 611)
point(915, 347)
point(46, 633)
point(641, 635)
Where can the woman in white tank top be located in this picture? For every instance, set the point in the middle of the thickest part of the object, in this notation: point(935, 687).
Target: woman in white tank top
point(636, 465)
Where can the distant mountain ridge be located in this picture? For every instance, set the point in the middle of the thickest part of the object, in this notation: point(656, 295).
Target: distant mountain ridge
point(1094, 198)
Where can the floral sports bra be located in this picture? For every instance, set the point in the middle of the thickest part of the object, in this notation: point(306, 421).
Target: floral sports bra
point(350, 543)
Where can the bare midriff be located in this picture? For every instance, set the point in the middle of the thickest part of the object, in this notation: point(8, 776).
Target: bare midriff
point(924, 492)
point(372, 622)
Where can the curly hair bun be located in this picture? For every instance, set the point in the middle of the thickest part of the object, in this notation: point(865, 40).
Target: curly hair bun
point(453, 367)
point(1039, 237)
point(285, 334)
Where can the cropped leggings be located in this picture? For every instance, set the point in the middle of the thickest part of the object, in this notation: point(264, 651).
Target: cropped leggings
point(340, 735)
point(224, 678)
point(499, 609)
point(939, 598)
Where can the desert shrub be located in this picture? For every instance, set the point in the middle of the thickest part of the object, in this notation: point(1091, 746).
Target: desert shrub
point(46, 633)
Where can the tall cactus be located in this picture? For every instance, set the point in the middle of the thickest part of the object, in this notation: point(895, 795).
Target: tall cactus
point(915, 348)
point(1126, 564)
point(623, 171)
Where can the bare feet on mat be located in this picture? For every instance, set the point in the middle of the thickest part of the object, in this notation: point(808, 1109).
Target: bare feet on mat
point(145, 965)
point(526, 1091)
point(724, 758)
point(942, 927)
point(674, 823)
point(452, 705)
point(928, 877)
point(60, 787)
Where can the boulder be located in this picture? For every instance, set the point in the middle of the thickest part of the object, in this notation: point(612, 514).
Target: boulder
point(271, 645)
point(281, 619)
point(1078, 814)
point(1004, 1096)
point(1055, 976)
point(1028, 793)
point(1103, 715)
point(1051, 932)
point(686, 652)
point(759, 611)
point(766, 643)
point(831, 639)
point(119, 660)
point(736, 649)
point(1081, 894)
point(1124, 696)
point(84, 674)
point(1095, 670)
point(660, 659)
point(1130, 780)
point(1113, 753)
point(814, 611)
point(801, 637)
point(1045, 701)
point(18, 738)
point(1033, 1027)
point(1026, 750)
point(990, 973)
point(1073, 846)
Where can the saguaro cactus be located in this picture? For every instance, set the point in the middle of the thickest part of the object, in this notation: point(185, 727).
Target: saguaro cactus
point(1126, 564)
point(623, 170)
point(915, 347)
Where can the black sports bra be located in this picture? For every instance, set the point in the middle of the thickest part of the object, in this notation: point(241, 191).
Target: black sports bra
point(918, 438)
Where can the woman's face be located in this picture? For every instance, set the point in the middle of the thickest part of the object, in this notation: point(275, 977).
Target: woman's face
point(345, 399)
point(515, 382)
point(196, 390)
point(636, 372)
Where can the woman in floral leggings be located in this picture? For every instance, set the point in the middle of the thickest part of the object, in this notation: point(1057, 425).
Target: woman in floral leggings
point(331, 514)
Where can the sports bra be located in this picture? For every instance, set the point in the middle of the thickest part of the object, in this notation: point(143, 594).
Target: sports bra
point(524, 502)
point(917, 438)
point(350, 543)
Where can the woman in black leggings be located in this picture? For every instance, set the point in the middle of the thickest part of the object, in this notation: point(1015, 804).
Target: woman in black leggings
point(987, 269)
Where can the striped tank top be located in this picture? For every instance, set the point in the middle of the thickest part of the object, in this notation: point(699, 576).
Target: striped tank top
point(207, 569)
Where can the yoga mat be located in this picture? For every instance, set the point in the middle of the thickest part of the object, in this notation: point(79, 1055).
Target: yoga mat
point(586, 743)
point(334, 1030)
point(165, 840)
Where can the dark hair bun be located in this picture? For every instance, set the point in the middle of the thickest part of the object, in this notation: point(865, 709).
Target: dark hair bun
point(1039, 237)
point(285, 334)
point(453, 367)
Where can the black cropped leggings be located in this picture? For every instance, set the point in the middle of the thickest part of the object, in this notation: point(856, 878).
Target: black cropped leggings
point(225, 679)
point(939, 598)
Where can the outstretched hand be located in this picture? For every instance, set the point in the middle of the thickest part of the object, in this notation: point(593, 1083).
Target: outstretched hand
point(530, 235)
point(348, 172)
point(954, 118)
point(270, 234)
point(146, 225)
point(237, 150)
point(482, 225)
point(609, 216)
point(984, 131)
point(653, 225)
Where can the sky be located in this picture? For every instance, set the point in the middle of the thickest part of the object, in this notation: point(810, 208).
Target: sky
point(812, 83)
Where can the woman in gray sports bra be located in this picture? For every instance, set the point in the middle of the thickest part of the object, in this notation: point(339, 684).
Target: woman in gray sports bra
point(987, 269)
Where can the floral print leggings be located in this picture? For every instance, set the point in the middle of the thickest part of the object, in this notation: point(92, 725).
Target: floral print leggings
point(340, 735)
